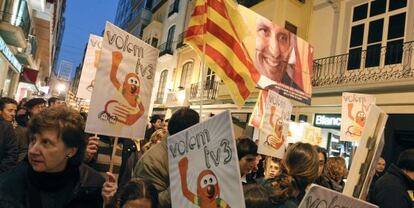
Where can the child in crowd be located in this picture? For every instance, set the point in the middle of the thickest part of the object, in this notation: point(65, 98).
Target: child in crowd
point(136, 193)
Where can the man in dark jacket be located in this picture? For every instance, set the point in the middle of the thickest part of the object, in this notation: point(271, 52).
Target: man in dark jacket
point(395, 188)
point(156, 123)
point(8, 146)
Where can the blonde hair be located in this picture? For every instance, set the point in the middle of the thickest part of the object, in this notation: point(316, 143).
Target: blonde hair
point(335, 168)
point(157, 136)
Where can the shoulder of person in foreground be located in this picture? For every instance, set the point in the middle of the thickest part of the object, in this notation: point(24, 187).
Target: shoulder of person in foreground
point(13, 183)
point(154, 162)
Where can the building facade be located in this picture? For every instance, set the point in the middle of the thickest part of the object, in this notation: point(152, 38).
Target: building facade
point(28, 42)
point(364, 46)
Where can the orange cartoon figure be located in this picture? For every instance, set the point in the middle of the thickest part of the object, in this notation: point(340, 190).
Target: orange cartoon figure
point(127, 109)
point(358, 122)
point(208, 190)
point(277, 139)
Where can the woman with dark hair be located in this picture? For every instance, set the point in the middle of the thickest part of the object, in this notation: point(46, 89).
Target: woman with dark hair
point(335, 171)
point(137, 193)
point(53, 175)
point(256, 196)
point(299, 168)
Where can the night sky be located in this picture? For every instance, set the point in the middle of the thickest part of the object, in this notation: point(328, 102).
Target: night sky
point(82, 18)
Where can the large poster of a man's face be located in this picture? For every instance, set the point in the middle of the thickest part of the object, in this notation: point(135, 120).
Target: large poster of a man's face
point(283, 60)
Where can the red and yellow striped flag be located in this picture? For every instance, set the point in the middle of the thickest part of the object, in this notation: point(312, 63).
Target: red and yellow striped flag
point(219, 25)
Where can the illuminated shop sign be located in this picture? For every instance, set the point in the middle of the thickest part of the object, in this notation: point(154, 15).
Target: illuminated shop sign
point(331, 121)
point(9, 55)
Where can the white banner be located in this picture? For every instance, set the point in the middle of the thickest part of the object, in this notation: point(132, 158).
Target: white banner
point(275, 125)
point(355, 108)
point(121, 97)
point(321, 197)
point(367, 154)
point(90, 64)
point(204, 168)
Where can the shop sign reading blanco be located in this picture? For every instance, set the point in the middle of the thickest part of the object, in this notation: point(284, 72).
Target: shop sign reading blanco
point(9, 55)
point(328, 121)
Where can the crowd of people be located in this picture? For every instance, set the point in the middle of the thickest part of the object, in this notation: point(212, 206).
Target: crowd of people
point(47, 160)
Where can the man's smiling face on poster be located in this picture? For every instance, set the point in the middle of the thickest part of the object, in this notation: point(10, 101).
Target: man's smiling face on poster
point(273, 47)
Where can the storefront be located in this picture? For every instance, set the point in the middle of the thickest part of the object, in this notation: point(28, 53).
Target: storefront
point(331, 125)
point(10, 69)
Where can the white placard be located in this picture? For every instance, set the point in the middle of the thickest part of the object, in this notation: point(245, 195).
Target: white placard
point(275, 125)
point(367, 154)
point(321, 197)
point(121, 97)
point(355, 108)
point(204, 168)
point(90, 64)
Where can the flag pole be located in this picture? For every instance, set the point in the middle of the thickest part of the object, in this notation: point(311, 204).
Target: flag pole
point(203, 60)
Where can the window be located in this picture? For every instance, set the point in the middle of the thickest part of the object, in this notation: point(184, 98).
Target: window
point(210, 79)
point(161, 87)
point(154, 42)
point(291, 27)
point(170, 37)
point(377, 34)
point(186, 75)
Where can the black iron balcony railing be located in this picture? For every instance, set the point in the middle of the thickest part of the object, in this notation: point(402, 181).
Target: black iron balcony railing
point(20, 19)
point(392, 62)
point(209, 90)
point(33, 43)
point(180, 41)
point(173, 8)
point(166, 48)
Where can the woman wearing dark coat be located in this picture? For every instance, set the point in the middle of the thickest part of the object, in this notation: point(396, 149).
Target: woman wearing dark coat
point(53, 174)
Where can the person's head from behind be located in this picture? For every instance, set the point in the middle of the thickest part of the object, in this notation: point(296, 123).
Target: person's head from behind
point(406, 162)
point(182, 119)
point(322, 157)
point(35, 106)
point(247, 153)
point(137, 193)
point(273, 48)
point(53, 101)
point(256, 196)
point(335, 169)
point(156, 121)
point(301, 162)
point(272, 167)
point(57, 139)
point(380, 165)
point(8, 108)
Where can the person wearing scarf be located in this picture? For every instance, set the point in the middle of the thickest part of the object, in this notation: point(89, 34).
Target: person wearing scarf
point(52, 175)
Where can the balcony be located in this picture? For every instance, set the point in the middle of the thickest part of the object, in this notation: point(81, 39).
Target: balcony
point(207, 90)
point(166, 51)
point(173, 9)
point(386, 67)
point(27, 56)
point(180, 41)
point(156, 4)
point(15, 26)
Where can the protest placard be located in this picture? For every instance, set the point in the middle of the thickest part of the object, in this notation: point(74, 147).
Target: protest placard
point(368, 151)
point(124, 79)
point(90, 64)
point(285, 68)
point(321, 197)
point(258, 110)
point(275, 125)
point(203, 164)
point(355, 108)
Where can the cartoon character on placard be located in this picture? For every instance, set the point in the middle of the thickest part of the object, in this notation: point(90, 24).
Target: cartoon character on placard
point(128, 108)
point(208, 189)
point(358, 122)
point(277, 139)
point(95, 64)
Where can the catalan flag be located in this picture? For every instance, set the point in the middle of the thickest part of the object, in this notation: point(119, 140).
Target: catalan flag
point(219, 25)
